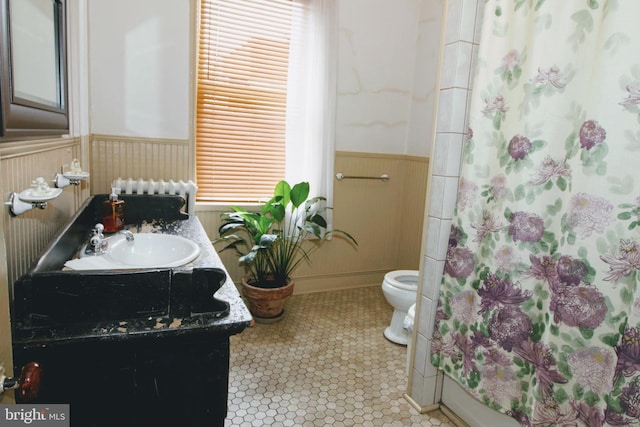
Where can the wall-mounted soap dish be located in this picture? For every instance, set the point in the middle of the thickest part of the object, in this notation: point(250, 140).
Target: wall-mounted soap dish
point(62, 180)
point(71, 177)
point(31, 196)
point(35, 197)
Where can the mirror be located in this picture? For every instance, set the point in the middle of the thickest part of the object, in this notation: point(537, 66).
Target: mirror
point(33, 80)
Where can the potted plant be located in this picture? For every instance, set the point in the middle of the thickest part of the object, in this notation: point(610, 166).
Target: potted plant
point(274, 242)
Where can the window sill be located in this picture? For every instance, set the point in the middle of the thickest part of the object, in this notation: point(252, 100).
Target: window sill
point(225, 207)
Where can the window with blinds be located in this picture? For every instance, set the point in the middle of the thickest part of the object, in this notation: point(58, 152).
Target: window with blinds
point(243, 59)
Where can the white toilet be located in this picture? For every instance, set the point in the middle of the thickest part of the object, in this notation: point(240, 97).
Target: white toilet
point(400, 288)
point(408, 323)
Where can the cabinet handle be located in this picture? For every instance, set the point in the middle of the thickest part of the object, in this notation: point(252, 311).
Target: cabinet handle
point(28, 385)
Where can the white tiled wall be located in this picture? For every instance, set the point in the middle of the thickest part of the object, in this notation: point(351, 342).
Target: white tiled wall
point(461, 36)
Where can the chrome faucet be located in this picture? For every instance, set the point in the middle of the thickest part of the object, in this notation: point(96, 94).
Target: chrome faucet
point(97, 244)
point(128, 235)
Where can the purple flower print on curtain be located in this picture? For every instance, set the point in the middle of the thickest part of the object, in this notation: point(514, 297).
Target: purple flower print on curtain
point(509, 326)
point(539, 308)
point(526, 227)
point(589, 213)
point(630, 399)
point(550, 169)
point(459, 262)
point(591, 134)
point(624, 261)
point(628, 351)
point(496, 292)
point(593, 368)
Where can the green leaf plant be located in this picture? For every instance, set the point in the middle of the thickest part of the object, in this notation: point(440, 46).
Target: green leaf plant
point(274, 242)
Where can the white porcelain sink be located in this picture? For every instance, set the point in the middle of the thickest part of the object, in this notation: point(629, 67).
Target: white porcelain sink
point(146, 250)
point(151, 250)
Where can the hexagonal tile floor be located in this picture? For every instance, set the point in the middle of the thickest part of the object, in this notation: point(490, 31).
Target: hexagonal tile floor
point(326, 363)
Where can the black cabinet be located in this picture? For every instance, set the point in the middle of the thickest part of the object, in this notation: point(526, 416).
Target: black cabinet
point(179, 381)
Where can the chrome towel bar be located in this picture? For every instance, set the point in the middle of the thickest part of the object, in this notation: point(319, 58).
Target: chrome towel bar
point(340, 176)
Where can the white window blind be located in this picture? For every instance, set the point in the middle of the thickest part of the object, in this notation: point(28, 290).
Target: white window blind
point(243, 60)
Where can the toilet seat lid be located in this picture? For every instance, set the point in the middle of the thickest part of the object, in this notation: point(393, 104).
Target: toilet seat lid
point(403, 279)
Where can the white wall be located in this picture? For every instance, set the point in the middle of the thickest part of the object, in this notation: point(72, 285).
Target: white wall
point(425, 80)
point(387, 71)
point(140, 71)
point(139, 67)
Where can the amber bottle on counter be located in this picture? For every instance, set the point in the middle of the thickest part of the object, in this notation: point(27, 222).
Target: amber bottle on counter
point(113, 213)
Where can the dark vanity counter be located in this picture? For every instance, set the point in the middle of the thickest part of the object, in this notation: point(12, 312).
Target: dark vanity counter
point(169, 314)
point(137, 346)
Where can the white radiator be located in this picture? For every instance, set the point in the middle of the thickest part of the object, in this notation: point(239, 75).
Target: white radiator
point(185, 189)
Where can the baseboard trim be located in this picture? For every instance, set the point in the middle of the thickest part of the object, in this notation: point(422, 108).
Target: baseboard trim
point(420, 409)
point(436, 406)
point(453, 417)
point(336, 282)
point(339, 283)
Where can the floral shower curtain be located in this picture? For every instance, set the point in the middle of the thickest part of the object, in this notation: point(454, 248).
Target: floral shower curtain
point(539, 310)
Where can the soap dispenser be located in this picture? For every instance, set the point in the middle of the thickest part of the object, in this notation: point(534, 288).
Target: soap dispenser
point(113, 213)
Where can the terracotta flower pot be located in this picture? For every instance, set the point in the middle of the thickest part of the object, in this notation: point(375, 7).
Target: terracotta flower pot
point(266, 304)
